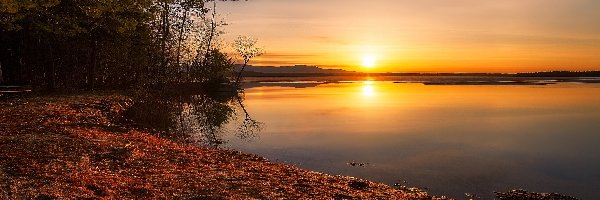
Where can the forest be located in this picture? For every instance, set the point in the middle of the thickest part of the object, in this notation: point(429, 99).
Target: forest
point(89, 44)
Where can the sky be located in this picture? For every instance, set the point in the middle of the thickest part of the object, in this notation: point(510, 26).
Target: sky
point(421, 35)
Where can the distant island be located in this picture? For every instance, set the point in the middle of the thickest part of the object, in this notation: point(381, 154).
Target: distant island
point(291, 70)
point(311, 70)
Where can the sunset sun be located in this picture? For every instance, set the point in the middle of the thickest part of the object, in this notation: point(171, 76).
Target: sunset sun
point(369, 61)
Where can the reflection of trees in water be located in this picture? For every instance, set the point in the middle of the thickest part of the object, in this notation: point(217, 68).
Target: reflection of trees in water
point(250, 127)
point(203, 120)
point(200, 118)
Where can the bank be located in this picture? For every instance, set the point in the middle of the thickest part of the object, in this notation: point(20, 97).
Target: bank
point(76, 146)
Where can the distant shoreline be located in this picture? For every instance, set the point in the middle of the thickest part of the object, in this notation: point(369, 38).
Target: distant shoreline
point(532, 74)
point(302, 80)
point(315, 71)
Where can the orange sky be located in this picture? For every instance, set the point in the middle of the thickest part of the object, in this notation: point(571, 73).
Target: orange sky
point(423, 35)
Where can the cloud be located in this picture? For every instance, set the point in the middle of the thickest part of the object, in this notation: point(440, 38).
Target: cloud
point(281, 59)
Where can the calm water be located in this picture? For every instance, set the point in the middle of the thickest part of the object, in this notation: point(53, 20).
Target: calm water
point(449, 139)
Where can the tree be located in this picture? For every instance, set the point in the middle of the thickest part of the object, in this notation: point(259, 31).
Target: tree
point(217, 68)
point(91, 43)
point(207, 50)
point(246, 48)
point(71, 42)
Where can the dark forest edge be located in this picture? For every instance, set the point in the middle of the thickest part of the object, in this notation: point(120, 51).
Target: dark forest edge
point(113, 44)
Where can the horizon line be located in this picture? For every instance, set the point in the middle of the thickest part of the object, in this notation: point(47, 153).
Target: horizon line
point(424, 72)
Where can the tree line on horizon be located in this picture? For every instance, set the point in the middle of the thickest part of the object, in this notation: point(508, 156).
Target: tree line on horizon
point(114, 43)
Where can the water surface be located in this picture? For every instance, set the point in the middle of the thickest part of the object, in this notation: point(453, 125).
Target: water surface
point(449, 139)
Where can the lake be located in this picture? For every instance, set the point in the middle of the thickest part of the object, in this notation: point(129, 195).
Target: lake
point(450, 139)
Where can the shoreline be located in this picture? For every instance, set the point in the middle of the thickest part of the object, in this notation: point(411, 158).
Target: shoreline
point(72, 146)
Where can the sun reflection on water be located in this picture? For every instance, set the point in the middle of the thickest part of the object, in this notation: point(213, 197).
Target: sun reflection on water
point(368, 89)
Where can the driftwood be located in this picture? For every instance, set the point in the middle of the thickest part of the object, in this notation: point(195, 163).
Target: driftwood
point(13, 89)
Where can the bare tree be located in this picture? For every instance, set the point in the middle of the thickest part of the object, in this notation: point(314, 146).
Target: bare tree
point(211, 33)
point(246, 48)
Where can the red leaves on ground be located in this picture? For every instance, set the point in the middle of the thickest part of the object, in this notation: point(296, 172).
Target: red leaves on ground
point(68, 147)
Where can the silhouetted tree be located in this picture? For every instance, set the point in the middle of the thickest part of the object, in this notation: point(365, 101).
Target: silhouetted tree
point(246, 48)
point(217, 68)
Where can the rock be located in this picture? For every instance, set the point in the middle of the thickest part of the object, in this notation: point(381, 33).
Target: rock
point(358, 185)
point(342, 197)
point(523, 194)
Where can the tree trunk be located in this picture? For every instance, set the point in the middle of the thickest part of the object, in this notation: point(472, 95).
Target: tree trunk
point(91, 72)
point(213, 27)
point(165, 34)
point(239, 77)
point(50, 70)
point(180, 39)
point(1, 77)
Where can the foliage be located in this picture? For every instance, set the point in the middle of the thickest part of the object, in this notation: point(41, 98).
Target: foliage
point(246, 48)
point(218, 67)
point(111, 43)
